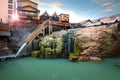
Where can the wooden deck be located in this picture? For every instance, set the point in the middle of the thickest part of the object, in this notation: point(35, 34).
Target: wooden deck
point(5, 27)
point(56, 23)
point(63, 24)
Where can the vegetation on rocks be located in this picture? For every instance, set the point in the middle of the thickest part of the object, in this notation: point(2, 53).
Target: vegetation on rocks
point(58, 44)
point(49, 46)
point(91, 43)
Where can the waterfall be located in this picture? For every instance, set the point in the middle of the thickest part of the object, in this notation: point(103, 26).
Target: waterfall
point(69, 46)
point(69, 43)
point(21, 48)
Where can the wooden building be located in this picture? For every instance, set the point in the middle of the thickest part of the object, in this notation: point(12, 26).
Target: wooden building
point(44, 16)
point(27, 10)
point(64, 18)
point(55, 17)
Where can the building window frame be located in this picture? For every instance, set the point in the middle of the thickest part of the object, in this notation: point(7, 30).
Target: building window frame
point(33, 13)
point(10, 12)
point(10, 1)
point(10, 6)
point(21, 5)
point(23, 12)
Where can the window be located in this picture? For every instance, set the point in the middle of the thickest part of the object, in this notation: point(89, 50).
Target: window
point(20, 12)
point(20, 5)
point(35, 6)
point(55, 15)
point(10, 6)
point(46, 14)
point(10, 1)
point(23, 12)
point(9, 11)
point(26, 12)
point(32, 13)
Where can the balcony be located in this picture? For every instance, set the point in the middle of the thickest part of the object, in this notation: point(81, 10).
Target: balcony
point(28, 16)
point(24, 13)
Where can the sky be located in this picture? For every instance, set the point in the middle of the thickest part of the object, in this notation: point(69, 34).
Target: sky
point(80, 10)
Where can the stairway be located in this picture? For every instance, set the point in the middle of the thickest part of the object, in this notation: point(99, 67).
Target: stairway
point(37, 31)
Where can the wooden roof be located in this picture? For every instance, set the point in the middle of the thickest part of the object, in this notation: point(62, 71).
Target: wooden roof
point(45, 13)
point(63, 14)
point(55, 14)
point(27, 1)
point(21, 8)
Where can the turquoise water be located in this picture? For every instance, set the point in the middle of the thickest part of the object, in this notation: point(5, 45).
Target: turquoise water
point(59, 69)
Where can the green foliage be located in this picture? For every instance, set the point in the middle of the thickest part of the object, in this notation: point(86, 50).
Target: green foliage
point(77, 50)
point(35, 44)
point(77, 47)
point(59, 45)
point(48, 52)
point(52, 45)
point(54, 35)
point(71, 56)
point(42, 48)
point(35, 53)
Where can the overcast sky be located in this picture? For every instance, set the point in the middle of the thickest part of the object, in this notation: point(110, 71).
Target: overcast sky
point(80, 10)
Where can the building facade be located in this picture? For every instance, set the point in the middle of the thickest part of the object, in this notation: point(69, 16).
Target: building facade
point(7, 10)
point(64, 18)
point(27, 10)
point(45, 16)
point(55, 17)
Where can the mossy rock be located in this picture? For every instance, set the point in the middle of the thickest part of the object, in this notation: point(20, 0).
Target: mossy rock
point(73, 57)
point(48, 50)
point(35, 53)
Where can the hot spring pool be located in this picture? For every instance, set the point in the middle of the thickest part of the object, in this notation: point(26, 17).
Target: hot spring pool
point(59, 69)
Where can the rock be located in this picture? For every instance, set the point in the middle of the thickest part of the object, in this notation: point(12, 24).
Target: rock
point(95, 58)
point(74, 59)
point(101, 41)
point(5, 48)
point(83, 58)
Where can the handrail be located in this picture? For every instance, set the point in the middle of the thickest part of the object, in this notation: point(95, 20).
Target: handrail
point(37, 31)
